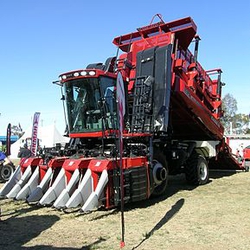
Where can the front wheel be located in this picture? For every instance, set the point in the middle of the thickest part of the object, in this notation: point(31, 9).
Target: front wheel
point(196, 170)
point(6, 171)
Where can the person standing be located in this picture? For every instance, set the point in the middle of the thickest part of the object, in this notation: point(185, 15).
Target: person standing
point(24, 152)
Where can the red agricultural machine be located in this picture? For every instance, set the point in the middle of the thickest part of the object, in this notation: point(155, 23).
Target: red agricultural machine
point(171, 125)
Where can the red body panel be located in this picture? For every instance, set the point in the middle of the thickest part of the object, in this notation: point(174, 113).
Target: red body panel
point(56, 162)
point(32, 161)
point(98, 165)
point(70, 165)
point(209, 123)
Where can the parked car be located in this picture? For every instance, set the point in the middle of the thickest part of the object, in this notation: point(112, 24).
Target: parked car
point(246, 157)
point(246, 153)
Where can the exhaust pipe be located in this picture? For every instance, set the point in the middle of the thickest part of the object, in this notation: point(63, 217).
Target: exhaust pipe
point(159, 173)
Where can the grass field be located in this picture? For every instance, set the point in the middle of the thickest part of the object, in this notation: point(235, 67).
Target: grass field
point(213, 216)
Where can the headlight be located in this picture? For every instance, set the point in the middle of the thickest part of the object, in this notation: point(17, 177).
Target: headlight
point(83, 73)
point(92, 73)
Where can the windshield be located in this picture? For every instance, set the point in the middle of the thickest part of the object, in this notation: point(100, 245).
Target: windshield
point(90, 104)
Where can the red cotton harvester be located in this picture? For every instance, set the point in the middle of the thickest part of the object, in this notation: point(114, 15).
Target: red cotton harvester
point(171, 125)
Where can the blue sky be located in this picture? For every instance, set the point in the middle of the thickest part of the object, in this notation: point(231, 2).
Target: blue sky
point(42, 39)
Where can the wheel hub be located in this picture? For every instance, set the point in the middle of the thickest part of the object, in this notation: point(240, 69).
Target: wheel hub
point(203, 171)
point(159, 173)
point(6, 172)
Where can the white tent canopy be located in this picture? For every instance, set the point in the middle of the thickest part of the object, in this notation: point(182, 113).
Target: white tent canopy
point(48, 136)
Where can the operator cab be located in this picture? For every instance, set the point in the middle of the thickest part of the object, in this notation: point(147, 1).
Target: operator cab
point(90, 101)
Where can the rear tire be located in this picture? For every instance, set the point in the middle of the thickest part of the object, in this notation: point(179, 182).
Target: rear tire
point(196, 170)
point(6, 171)
point(161, 186)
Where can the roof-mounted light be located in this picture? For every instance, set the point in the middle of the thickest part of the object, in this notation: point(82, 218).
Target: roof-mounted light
point(64, 77)
point(83, 73)
point(92, 73)
point(76, 74)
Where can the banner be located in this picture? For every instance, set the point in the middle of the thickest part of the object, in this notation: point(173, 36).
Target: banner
point(8, 140)
point(120, 95)
point(34, 136)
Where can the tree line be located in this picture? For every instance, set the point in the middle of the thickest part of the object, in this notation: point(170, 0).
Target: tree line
point(233, 122)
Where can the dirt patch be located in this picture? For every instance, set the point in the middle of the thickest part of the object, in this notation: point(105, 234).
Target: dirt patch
point(214, 216)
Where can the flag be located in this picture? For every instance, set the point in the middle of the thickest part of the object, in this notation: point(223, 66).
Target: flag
point(34, 136)
point(20, 128)
point(120, 95)
point(8, 140)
